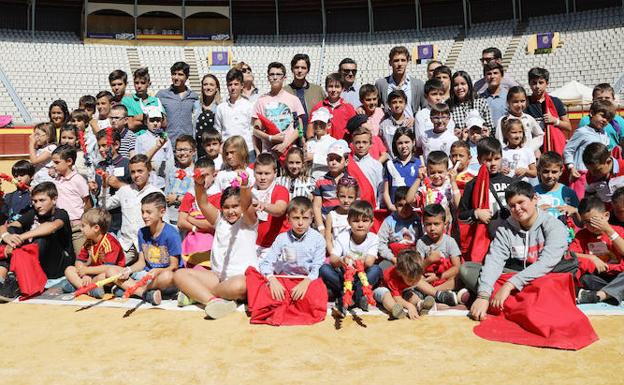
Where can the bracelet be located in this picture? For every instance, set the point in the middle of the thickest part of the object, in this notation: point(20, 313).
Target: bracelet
point(194, 229)
point(614, 236)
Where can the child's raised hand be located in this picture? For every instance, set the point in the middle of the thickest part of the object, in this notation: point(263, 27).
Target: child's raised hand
point(422, 172)
point(409, 122)
point(93, 187)
point(280, 148)
point(31, 140)
point(505, 170)
point(277, 289)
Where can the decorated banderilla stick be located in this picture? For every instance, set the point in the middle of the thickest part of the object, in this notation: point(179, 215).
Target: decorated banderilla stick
point(142, 282)
point(95, 285)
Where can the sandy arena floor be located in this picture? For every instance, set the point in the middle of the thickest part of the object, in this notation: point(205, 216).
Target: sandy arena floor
point(59, 345)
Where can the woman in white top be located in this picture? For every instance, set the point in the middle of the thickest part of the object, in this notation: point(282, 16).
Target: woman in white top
point(233, 250)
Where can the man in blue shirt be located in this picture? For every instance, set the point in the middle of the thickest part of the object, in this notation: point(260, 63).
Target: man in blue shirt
point(495, 94)
point(178, 101)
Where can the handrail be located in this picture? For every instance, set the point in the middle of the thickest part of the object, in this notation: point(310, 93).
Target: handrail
point(16, 99)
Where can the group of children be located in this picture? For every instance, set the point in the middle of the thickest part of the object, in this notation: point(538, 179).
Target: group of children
point(378, 206)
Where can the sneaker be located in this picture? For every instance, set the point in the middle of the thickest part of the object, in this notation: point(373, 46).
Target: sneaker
point(218, 308)
point(363, 304)
point(426, 305)
point(397, 311)
point(184, 300)
point(587, 296)
point(446, 297)
point(117, 291)
point(463, 296)
point(152, 296)
point(9, 291)
point(97, 293)
point(67, 287)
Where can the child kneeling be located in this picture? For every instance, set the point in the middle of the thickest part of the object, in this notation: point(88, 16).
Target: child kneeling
point(399, 294)
point(296, 257)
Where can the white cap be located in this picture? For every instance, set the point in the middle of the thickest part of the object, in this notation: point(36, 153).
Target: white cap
point(153, 112)
point(321, 115)
point(340, 147)
point(473, 119)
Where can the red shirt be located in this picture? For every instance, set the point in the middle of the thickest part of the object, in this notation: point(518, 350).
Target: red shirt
point(377, 149)
point(340, 116)
point(107, 251)
point(188, 204)
point(585, 242)
point(269, 229)
point(394, 282)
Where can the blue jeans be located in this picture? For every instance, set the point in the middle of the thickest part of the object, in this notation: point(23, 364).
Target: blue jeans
point(334, 280)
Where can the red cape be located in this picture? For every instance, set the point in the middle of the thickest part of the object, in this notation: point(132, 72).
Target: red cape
point(475, 240)
point(367, 193)
point(25, 264)
point(543, 314)
point(312, 308)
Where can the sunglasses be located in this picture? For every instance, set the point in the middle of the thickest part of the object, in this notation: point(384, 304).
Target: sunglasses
point(154, 120)
point(246, 70)
point(349, 71)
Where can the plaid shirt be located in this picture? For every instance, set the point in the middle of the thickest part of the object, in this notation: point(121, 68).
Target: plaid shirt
point(459, 112)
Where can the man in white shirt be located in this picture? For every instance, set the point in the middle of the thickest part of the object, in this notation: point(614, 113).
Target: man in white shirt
point(234, 116)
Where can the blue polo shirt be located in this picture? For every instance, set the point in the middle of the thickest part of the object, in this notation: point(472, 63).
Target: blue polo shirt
point(497, 103)
point(179, 112)
point(398, 174)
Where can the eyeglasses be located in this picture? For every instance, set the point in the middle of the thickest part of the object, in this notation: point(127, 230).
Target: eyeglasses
point(486, 60)
point(183, 150)
point(275, 76)
point(440, 118)
point(154, 120)
point(246, 70)
point(349, 71)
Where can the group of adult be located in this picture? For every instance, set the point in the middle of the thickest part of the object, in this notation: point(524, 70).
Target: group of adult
point(182, 104)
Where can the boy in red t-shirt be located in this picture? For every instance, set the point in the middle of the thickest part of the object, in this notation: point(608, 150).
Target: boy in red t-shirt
point(100, 251)
point(270, 201)
point(599, 247)
point(341, 111)
point(397, 292)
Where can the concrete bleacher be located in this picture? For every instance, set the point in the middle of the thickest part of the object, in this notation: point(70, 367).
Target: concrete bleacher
point(591, 52)
point(57, 65)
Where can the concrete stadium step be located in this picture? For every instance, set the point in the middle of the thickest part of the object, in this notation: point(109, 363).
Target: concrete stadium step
point(458, 44)
point(516, 39)
point(133, 58)
point(194, 81)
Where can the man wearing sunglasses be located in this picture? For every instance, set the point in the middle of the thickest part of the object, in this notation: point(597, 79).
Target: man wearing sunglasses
point(488, 55)
point(351, 93)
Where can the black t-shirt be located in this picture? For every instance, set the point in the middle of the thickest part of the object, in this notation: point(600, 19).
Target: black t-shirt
point(58, 251)
point(536, 110)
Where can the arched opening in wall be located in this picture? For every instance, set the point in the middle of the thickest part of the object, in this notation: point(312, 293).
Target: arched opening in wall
point(206, 24)
point(109, 22)
point(159, 23)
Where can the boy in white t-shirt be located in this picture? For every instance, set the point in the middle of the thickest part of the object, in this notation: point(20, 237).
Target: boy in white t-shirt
point(318, 146)
point(234, 116)
point(434, 94)
point(356, 244)
point(440, 137)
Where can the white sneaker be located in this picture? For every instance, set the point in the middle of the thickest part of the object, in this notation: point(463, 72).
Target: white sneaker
point(219, 308)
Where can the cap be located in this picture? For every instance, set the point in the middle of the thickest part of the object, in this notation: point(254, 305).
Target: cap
point(340, 147)
point(321, 115)
point(474, 119)
point(153, 112)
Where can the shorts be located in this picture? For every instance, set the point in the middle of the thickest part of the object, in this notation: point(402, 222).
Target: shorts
point(379, 293)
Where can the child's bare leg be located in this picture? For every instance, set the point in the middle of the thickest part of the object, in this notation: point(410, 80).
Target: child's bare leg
point(3, 272)
point(388, 301)
point(196, 284)
point(234, 288)
point(72, 276)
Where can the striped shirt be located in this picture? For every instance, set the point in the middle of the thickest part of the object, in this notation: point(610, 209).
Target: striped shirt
point(326, 189)
point(128, 143)
point(297, 187)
